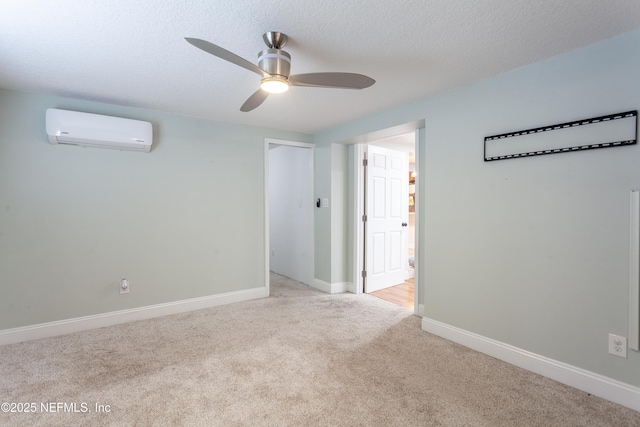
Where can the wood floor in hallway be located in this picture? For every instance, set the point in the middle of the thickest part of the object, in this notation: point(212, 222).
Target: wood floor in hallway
point(401, 294)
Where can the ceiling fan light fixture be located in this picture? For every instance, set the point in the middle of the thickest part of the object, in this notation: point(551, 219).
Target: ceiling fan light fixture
point(274, 85)
point(274, 66)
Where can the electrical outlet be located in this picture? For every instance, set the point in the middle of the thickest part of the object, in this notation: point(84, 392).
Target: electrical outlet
point(618, 345)
point(124, 286)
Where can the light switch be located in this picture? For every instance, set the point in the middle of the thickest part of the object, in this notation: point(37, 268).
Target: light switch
point(325, 202)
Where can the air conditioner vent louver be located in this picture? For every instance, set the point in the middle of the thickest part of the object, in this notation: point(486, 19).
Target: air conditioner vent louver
point(94, 130)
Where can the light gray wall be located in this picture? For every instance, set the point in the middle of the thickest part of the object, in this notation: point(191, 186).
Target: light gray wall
point(181, 222)
point(351, 193)
point(290, 212)
point(340, 230)
point(532, 252)
point(330, 224)
point(322, 218)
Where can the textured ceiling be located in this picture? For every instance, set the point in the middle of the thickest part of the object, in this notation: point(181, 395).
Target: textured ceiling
point(133, 52)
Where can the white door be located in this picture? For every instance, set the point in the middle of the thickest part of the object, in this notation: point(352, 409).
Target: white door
point(387, 217)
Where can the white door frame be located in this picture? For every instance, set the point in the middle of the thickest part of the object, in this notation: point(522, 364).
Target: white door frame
point(267, 251)
point(358, 229)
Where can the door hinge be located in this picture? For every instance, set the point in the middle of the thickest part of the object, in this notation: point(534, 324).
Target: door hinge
point(365, 162)
point(364, 218)
point(364, 274)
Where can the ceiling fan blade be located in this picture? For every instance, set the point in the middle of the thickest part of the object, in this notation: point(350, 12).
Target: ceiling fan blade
point(226, 55)
point(335, 80)
point(254, 100)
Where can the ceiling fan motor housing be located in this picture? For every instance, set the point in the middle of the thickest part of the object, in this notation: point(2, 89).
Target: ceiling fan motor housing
point(275, 62)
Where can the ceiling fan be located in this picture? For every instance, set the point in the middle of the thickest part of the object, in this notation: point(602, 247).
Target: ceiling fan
point(274, 66)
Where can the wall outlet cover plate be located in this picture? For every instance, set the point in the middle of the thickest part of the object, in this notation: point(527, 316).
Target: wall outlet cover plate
point(618, 345)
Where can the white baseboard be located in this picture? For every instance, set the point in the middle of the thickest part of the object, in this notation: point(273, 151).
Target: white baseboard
point(321, 285)
point(67, 326)
point(340, 287)
point(330, 288)
point(589, 382)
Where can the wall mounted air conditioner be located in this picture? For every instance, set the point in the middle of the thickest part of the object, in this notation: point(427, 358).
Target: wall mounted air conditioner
point(94, 130)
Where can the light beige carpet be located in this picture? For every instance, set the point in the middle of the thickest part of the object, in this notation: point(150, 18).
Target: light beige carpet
point(298, 358)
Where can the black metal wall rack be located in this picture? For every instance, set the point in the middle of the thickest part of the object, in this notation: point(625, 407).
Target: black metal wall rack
point(495, 149)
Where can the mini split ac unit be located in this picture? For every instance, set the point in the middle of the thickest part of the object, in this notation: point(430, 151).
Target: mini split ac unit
point(94, 130)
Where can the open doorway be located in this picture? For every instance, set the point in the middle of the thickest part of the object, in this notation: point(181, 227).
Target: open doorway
point(389, 229)
point(406, 292)
point(289, 210)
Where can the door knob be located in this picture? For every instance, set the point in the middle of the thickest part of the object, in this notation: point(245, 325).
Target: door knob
point(404, 224)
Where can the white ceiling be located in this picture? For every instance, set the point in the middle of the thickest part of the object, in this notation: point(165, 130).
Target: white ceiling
point(133, 52)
